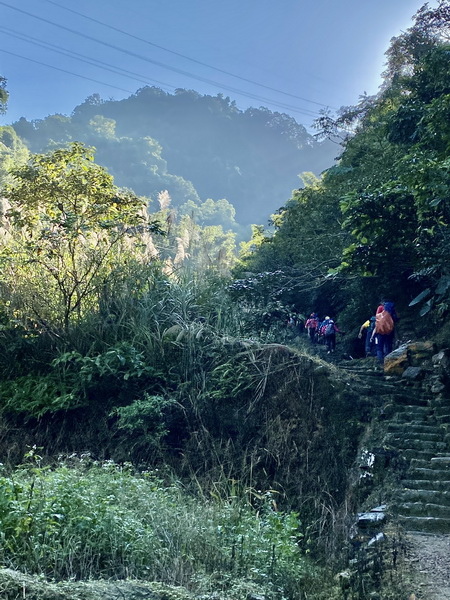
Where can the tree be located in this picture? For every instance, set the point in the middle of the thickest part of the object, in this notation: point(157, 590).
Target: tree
point(3, 95)
point(67, 228)
point(13, 152)
point(383, 211)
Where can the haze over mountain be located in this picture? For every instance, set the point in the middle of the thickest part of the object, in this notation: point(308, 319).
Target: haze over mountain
point(294, 57)
point(296, 60)
point(195, 147)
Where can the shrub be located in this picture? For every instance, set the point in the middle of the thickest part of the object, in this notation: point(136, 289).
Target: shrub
point(101, 520)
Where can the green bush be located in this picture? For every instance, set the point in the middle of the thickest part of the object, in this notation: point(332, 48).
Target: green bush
point(73, 380)
point(36, 394)
point(101, 520)
point(144, 421)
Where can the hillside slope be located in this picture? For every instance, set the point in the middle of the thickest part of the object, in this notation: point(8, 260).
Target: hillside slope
point(194, 146)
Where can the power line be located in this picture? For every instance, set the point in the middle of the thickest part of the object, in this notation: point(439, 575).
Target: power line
point(306, 112)
point(65, 71)
point(107, 66)
point(81, 57)
point(181, 55)
point(125, 73)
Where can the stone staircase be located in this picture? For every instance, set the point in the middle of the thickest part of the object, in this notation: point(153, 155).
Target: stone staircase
point(416, 428)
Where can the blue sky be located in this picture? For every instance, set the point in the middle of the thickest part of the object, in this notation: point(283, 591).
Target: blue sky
point(294, 56)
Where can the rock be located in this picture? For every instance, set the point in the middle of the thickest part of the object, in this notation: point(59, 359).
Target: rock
point(380, 537)
point(370, 519)
point(419, 351)
point(437, 358)
point(413, 373)
point(344, 579)
point(397, 361)
point(411, 354)
point(437, 388)
point(441, 361)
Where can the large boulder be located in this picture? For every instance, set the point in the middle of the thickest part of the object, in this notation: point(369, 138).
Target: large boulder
point(412, 354)
point(419, 352)
point(397, 361)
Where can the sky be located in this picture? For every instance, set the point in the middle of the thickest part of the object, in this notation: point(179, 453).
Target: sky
point(292, 56)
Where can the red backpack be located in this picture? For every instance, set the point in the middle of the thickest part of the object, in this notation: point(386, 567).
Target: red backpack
point(384, 323)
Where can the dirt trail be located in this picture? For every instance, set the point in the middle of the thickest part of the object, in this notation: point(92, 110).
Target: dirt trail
point(429, 557)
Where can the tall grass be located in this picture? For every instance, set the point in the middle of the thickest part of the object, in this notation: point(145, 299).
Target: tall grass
point(91, 520)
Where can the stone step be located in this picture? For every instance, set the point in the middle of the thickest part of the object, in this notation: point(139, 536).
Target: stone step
point(430, 398)
point(424, 456)
point(425, 497)
point(418, 415)
point(351, 366)
point(409, 400)
point(378, 388)
point(441, 461)
point(403, 384)
point(416, 428)
point(443, 418)
point(435, 436)
point(425, 524)
point(419, 463)
point(429, 474)
point(420, 509)
point(374, 377)
point(434, 483)
point(416, 443)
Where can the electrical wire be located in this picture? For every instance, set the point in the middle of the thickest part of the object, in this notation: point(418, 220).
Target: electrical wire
point(181, 55)
point(306, 112)
point(83, 58)
point(65, 71)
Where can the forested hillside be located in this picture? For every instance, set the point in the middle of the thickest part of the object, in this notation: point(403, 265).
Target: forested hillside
point(161, 422)
point(377, 223)
point(195, 147)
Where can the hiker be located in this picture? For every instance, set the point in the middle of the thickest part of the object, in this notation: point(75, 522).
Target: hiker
point(366, 331)
point(328, 330)
point(311, 327)
point(293, 324)
point(384, 330)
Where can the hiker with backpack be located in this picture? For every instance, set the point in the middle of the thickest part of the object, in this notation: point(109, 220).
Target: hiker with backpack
point(328, 330)
point(311, 327)
point(384, 330)
point(366, 331)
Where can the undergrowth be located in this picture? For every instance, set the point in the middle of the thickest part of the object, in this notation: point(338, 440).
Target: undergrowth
point(85, 520)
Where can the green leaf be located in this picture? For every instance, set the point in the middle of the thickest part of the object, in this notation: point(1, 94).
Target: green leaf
point(420, 297)
point(426, 307)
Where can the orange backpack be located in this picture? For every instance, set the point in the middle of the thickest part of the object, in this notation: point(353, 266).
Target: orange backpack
point(384, 323)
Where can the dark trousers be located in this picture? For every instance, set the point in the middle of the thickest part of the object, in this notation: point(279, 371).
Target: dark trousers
point(384, 344)
point(369, 346)
point(312, 334)
point(330, 341)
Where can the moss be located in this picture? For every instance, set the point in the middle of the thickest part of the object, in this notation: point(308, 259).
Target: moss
point(442, 337)
point(16, 586)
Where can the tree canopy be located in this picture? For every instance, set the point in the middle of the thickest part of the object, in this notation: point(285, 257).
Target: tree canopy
point(383, 211)
point(65, 227)
point(3, 95)
point(196, 147)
